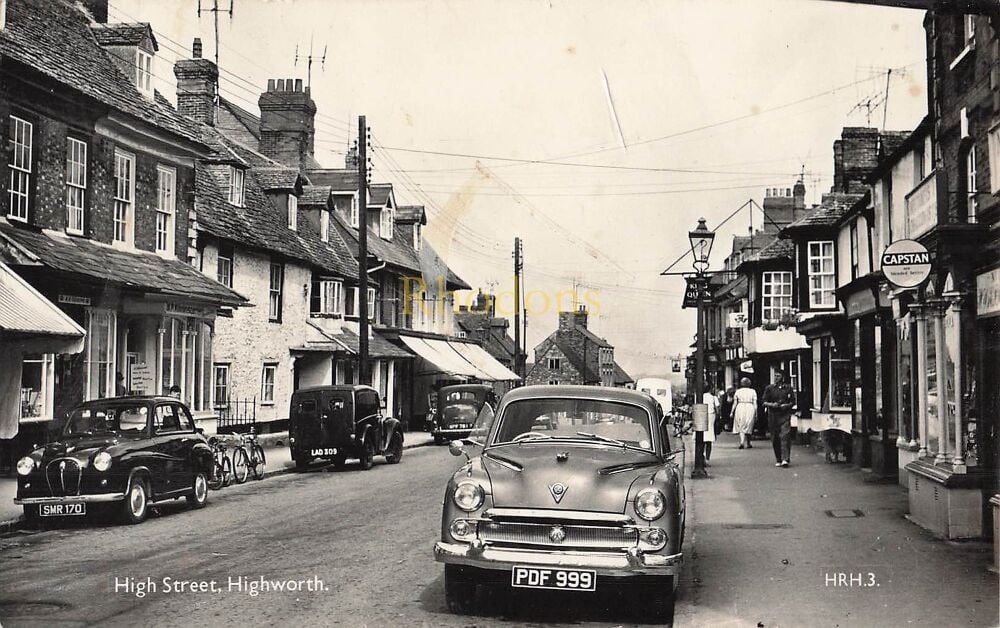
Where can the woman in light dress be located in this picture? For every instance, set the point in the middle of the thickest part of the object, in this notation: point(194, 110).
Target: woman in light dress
point(712, 401)
point(744, 412)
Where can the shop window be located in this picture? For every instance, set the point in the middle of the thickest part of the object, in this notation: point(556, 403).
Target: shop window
point(817, 374)
point(822, 280)
point(37, 378)
point(267, 380)
point(841, 373)
point(173, 352)
point(76, 184)
point(20, 165)
point(201, 397)
point(100, 353)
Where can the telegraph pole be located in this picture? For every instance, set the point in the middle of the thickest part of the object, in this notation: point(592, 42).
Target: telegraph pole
point(518, 364)
point(364, 375)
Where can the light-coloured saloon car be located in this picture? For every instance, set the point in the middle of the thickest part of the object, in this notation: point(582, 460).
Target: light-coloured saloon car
point(574, 488)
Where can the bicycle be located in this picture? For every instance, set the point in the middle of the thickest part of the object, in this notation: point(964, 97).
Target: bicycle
point(248, 457)
point(222, 467)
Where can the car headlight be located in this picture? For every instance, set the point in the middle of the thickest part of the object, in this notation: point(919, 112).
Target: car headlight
point(469, 496)
point(102, 461)
point(25, 465)
point(650, 504)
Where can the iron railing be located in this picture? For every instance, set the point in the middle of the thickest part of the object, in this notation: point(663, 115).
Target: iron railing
point(236, 415)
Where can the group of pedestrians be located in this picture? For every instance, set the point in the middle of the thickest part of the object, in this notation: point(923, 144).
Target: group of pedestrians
point(739, 408)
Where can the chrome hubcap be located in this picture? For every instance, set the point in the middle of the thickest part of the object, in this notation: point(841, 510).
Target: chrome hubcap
point(137, 499)
point(200, 487)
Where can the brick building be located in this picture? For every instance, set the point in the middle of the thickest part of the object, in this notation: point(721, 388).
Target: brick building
point(98, 188)
point(575, 355)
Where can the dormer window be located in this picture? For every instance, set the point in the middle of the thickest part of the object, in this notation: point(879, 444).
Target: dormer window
point(236, 188)
point(324, 225)
point(144, 71)
point(355, 218)
point(417, 237)
point(387, 219)
point(293, 212)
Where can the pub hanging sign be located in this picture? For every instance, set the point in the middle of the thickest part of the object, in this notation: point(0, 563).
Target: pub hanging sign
point(906, 263)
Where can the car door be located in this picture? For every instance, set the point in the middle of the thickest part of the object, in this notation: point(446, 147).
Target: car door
point(169, 446)
point(188, 437)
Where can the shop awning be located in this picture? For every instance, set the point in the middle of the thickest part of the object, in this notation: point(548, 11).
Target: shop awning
point(484, 361)
point(30, 319)
point(443, 358)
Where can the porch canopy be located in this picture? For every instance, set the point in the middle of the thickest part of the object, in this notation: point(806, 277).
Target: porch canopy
point(484, 361)
point(29, 323)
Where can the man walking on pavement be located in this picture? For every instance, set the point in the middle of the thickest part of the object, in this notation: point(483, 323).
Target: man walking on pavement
point(779, 399)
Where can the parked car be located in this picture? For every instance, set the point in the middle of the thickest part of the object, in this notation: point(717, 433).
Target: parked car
point(341, 422)
point(122, 453)
point(458, 409)
point(589, 504)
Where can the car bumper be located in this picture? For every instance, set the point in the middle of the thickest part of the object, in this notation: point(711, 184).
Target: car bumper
point(71, 499)
point(632, 563)
point(452, 431)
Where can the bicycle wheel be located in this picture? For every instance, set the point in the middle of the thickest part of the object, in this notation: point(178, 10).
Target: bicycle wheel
point(227, 472)
point(216, 480)
point(258, 461)
point(241, 464)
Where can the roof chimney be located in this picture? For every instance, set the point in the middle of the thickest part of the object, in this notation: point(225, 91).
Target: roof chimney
point(197, 85)
point(98, 10)
point(287, 123)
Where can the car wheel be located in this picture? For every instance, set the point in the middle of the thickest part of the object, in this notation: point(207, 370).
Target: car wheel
point(395, 451)
point(368, 454)
point(439, 439)
point(658, 600)
point(459, 590)
point(241, 465)
point(199, 493)
point(136, 504)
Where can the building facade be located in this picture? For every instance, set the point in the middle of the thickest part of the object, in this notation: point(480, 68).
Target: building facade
point(575, 355)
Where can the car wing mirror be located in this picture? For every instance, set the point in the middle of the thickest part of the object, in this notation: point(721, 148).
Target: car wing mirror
point(200, 430)
point(457, 448)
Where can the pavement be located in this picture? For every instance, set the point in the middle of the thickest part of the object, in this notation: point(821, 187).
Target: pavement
point(276, 452)
point(815, 545)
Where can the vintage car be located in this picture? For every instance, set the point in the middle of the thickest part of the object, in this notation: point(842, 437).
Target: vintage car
point(341, 422)
point(595, 502)
point(458, 408)
point(123, 454)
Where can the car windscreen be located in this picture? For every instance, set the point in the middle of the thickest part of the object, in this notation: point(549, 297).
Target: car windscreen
point(121, 418)
point(589, 420)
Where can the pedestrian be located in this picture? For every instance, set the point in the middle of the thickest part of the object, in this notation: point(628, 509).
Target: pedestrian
point(726, 410)
point(744, 412)
point(710, 400)
point(779, 399)
point(120, 390)
point(175, 391)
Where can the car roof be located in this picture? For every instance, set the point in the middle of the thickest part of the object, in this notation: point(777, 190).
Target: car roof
point(335, 388)
point(600, 393)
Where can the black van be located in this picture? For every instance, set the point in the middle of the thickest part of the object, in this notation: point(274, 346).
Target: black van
point(341, 422)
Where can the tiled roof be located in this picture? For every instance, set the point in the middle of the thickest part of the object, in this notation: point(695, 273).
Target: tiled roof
point(411, 213)
point(592, 337)
point(249, 123)
point(589, 375)
point(259, 223)
point(124, 34)
point(55, 39)
point(339, 179)
point(891, 141)
point(779, 249)
point(620, 376)
point(137, 270)
point(278, 177)
point(378, 194)
point(314, 195)
point(833, 207)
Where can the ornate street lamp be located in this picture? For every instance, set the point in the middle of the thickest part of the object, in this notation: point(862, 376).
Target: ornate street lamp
point(701, 246)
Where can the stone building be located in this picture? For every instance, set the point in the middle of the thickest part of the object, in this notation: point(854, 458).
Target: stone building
point(575, 355)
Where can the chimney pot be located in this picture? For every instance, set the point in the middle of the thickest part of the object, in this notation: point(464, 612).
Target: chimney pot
point(298, 85)
point(289, 85)
point(196, 48)
point(270, 85)
point(281, 85)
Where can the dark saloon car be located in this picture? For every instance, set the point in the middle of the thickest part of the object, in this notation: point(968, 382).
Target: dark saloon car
point(122, 453)
point(341, 422)
point(596, 501)
point(458, 409)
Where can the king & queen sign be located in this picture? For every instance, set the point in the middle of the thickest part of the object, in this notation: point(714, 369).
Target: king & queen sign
point(691, 292)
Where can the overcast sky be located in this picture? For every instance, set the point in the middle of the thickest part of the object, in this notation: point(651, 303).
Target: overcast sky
point(687, 108)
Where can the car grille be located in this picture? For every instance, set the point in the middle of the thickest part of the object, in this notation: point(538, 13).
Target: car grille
point(63, 476)
point(541, 535)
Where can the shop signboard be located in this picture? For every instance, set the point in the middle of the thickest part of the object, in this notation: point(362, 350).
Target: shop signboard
point(988, 293)
point(906, 263)
point(143, 379)
point(690, 293)
point(699, 417)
